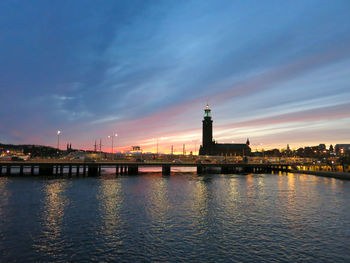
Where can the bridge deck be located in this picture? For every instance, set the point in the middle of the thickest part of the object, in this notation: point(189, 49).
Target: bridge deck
point(57, 167)
point(112, 164)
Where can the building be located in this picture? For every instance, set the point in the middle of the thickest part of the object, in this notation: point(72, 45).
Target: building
point(135, 150)
point(342, 148)
point(210, 147)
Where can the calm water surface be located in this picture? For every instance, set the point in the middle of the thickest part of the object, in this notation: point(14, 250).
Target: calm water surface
point(182, 217)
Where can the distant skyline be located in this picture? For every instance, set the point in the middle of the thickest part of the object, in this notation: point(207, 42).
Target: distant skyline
point(276, 72)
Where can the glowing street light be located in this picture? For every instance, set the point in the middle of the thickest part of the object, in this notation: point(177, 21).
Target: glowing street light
point(115, 135)
point(58, 139)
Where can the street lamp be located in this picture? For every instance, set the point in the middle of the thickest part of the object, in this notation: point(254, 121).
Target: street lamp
point(58, 139)
point(115, 135)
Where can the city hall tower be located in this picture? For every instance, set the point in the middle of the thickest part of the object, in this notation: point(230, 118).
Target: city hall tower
point(211, 147)
point(207, 136)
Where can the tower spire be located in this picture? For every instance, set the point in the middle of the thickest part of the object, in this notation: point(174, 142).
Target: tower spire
point(207, 132)
point(207, 112)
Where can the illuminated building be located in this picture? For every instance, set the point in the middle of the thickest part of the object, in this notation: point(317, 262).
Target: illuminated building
point(342, 148)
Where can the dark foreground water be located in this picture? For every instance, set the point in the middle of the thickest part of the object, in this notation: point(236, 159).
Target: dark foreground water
point(183, 217)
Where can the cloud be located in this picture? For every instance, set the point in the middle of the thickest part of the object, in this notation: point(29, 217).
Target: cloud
point(148, 68)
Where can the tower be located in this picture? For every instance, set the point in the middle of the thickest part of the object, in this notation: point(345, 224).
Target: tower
point(207, 137)
point(211, 147)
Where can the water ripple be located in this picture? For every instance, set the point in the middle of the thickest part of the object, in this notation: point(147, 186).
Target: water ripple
point(181, 218)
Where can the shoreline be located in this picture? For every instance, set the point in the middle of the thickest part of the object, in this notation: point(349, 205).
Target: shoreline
point(337, 175)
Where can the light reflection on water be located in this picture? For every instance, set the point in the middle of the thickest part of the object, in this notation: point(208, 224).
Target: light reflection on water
point(4, 193)
point(157, 202)
point(51, 217)
point(182, 217)
point(110, 200)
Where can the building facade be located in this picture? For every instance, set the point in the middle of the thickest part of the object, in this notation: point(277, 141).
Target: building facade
point(210, 147)
point(342, 148)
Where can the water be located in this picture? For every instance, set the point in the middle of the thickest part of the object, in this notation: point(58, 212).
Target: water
point(182, 217)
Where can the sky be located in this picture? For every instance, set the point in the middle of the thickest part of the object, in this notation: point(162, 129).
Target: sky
point(276, 72)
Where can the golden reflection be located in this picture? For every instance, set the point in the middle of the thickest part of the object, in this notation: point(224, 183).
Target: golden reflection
point(287, 191)
point(334, 183)
point(291, 191)
point(249, 185)
point(281, 186)
point(291, 182)
point(288, 203)
point(199, 205)
point(233, 192)
point(303, 177)
point(261, 182)
point(230, 199)
point(4, 193)
point(158, 207)
point(53, 213)
point(110, 204)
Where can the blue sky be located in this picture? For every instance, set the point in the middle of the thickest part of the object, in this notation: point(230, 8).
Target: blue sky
point(277, 72)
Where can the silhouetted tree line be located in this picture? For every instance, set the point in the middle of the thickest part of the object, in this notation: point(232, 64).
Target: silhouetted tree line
point(33, 150)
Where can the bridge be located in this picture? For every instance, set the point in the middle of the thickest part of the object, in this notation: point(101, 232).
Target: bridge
point(48, 168)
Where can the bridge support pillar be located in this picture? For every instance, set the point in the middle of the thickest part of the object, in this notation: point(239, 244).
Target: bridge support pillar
point(21, 170)
point(166, 169)
point(84, 170)
point(234, 169)
point(133, 169)
point(70, 170)
point(0, 170)
point(45, 170)
point(224, 169)
point(78, 168)
point(92, 170)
